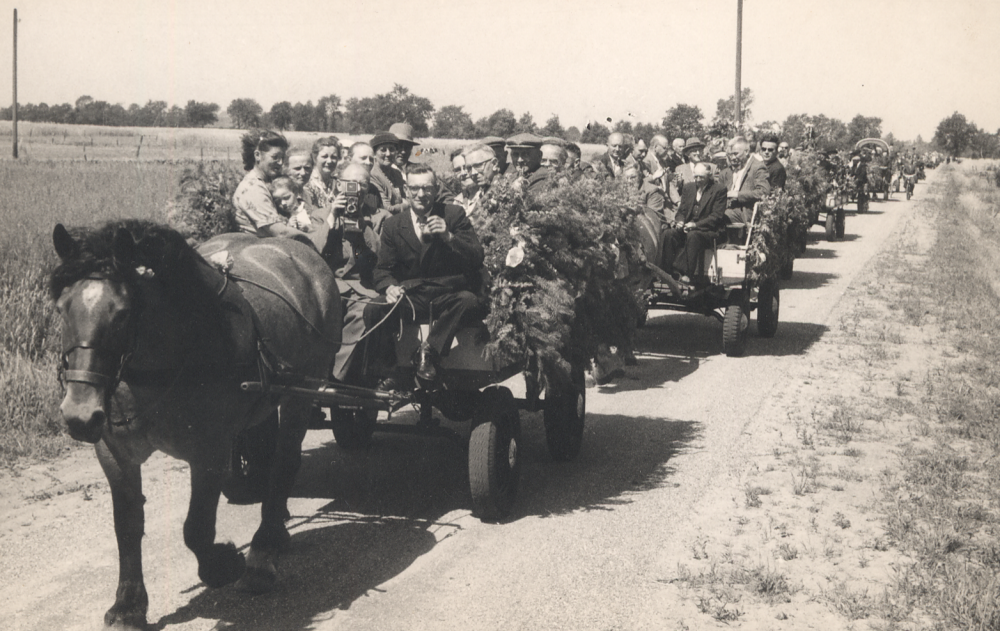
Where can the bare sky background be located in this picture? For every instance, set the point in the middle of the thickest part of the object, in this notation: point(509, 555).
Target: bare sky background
point(910, 62)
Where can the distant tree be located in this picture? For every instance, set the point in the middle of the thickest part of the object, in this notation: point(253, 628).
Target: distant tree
point(329, 107)
point(374, 114)
point(83, 102)
point(725, 110)
point(61, 113)
point(451, 121)
point(820, 131)
point(245, 113)
point(572, 134)
point(889, 139)
point(623, 126)
point(500, 123)
point(526, 124)
point(983, 144)
point(201, 114)
point(280, 115)
point(176, 116)
point(151, 114)
point(595, 133)
point(646, 131)
point(306, 117)
point(953, 134)
point(683, 121)
point(862, 127)
point(553, 127)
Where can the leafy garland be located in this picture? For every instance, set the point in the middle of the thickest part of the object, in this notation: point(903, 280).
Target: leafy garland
point(566, 272)
point(784, 216)
point(204, 206)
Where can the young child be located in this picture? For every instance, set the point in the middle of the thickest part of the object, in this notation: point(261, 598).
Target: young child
point(287, 196)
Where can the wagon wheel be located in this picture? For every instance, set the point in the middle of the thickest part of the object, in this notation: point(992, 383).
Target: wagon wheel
point(768, 302)
point(565, 413)
point(885, 193)
point(353, 429)
point(250, 465)
point(841, 219)
point(494, 455)
point(862, 201)
point(735, 325)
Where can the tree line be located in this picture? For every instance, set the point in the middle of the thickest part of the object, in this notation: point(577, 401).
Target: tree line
point(370, 115)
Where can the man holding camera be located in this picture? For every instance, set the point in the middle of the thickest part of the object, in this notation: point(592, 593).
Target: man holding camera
point(352, 253)
point(429, 257)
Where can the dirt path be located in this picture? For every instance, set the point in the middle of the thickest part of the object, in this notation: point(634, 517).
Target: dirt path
point(385, 540)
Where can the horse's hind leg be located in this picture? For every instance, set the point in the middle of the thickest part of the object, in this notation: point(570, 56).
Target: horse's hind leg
point(218, 563)
point(272, 534)
point(125, 480)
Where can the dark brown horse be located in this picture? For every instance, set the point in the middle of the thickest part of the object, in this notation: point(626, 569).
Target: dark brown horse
point(170, 333)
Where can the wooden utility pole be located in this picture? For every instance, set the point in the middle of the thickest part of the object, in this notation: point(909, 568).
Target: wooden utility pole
point(739, 64)
point(13, 108)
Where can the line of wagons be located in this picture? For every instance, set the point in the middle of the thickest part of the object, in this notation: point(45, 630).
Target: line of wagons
point(472, 390)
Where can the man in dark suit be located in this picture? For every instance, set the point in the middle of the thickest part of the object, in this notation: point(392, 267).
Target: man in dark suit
point(745, 180)
point(429, 257)
point(700, 218)
point(776, 175)
point(612, 162)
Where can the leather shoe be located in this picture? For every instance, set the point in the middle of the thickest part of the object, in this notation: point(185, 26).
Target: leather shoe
point(391, 384)
point(427, 365)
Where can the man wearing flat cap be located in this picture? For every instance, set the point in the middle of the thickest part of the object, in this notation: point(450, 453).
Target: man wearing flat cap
point(526, 158)
point(387, 180)
point(404, 145)
point(499, 147)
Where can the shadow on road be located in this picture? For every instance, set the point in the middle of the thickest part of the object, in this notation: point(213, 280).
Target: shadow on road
point(793, 338)
point(817, 253)
point(324, 570)
point(807, 280)
point(400, 489)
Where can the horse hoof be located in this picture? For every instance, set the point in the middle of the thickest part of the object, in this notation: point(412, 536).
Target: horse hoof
point(222, 565)
point(121, 620)
point(256, 581)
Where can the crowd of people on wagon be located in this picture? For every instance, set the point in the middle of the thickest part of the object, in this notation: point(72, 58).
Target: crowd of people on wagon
point(393, 229)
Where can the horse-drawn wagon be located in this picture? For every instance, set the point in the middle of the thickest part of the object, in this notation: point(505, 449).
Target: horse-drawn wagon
point(879, 167)
point(730, 295)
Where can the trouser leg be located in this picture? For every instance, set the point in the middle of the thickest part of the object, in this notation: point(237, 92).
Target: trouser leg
point(354, 328)
point(690, 261)
point(448, 311)
point(673, 240)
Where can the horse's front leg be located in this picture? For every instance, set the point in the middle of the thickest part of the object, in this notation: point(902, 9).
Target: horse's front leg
point(272, 534)
point(218, 563)
point(125, 480)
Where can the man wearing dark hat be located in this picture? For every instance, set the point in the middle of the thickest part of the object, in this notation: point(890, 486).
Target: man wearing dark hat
point(693, 148)
point(499, 147)
point(387, 180)
point(526, 158)
point(404, 145)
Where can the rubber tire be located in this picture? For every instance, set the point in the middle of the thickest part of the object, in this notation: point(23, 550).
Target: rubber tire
point(831, 226)
point(565, 414)
point(768, 304)
point(787, 270)
point(250, 463)
point(353, 433)
point(841, 223)
point(885, 193)
point(734, 328)
point(494, 458)
point(909, 194)
point(862, 203)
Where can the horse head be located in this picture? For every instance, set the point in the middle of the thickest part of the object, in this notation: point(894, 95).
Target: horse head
point(97, 311)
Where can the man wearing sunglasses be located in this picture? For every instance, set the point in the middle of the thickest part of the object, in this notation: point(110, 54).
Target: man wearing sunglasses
point(775, 169)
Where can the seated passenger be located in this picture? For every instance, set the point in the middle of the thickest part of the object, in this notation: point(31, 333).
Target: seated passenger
point(775, 169)
point(553, 157)
point(745, 180)
point(430, 258)
point(287, 196)
point(356, 211)
point(263, 159)
point(322, 187)
point(385, 178)
point(700, 219)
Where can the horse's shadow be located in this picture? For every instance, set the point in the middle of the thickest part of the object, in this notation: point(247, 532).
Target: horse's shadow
point(388, 507)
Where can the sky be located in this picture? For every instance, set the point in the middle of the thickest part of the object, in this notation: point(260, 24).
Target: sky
point(910, 62)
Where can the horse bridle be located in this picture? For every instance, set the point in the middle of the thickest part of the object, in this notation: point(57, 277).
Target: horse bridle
point(96, 379)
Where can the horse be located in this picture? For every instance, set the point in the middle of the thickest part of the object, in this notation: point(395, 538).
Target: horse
point(168, 333)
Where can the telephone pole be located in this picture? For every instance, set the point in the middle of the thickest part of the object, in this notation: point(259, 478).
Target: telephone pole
point(13, 108)
point(739, 63)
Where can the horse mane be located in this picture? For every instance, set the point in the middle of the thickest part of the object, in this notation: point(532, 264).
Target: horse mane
point(161, 249)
